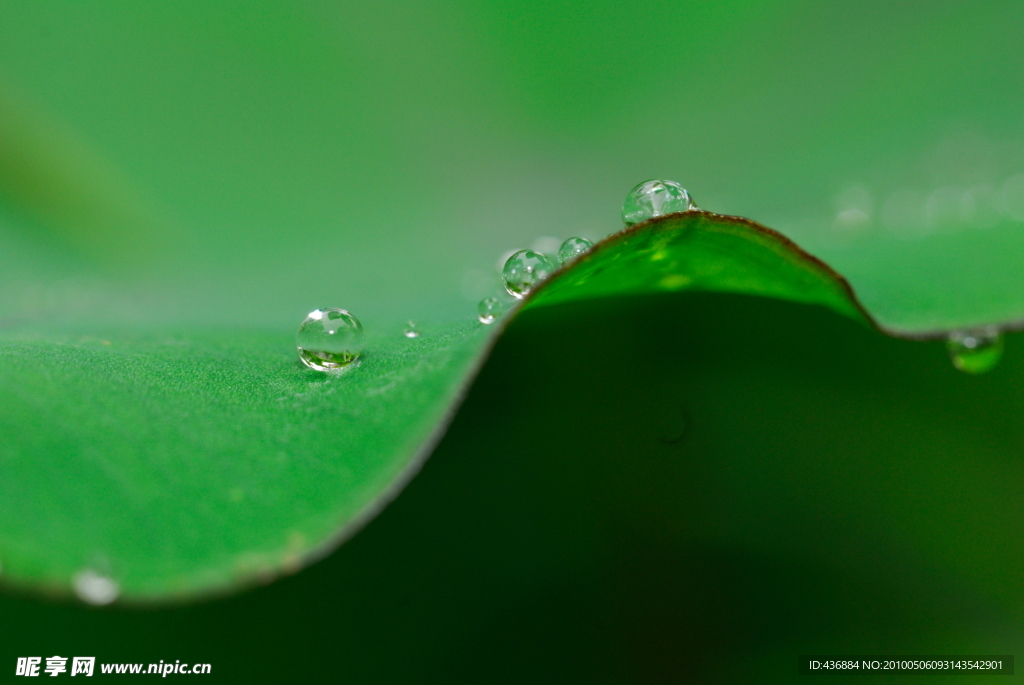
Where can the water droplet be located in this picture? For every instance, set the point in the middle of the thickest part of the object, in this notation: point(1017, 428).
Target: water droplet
point(573, 248)
point(975, 351)
point(655, 198)
point(524, 270)
point(329, 339)
point(411, 330)
point(489, 309)
point(93, 588)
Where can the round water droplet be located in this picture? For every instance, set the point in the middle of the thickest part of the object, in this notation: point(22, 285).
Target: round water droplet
point(573, 248)
point(524, 270)
point(655, 198)
point(975, 351)
point(329, 339)
point(93, 588)
point(489, 309)
point(411, 330)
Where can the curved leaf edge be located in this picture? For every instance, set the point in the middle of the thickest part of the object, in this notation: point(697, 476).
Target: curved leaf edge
point(349, 530)
point(351, 526)
point(802, 255)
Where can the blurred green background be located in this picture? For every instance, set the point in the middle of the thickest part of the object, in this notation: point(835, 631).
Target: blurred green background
point(382, 157)
point(262, 159)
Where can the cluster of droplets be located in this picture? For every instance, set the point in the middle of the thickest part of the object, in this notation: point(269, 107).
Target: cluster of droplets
point(332, 339)
point(525, 270)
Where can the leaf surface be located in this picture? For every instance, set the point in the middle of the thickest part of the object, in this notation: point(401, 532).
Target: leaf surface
point(194, 461)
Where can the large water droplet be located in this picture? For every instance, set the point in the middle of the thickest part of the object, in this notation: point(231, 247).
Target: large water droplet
point(411, 330)
point(489, 309)
point(524, 270)
point(93, 588)
point(655, 198)
point(975, 351)
point(573, 248)
point(329, 339)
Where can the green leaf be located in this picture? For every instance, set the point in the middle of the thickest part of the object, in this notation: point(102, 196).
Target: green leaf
point(195, 461)
point(707, 252)
point(186, 462)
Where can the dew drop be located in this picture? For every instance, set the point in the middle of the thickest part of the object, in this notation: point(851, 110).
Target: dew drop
point(96, 589)
point(489, 309)
point(655, 198)
point(329, 339)
point(411, 330)
point(975, 351)
point(573, 248)
point(524, 270)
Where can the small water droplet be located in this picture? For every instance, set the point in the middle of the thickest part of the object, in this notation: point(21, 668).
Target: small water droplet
point(489, 309)
point(655, 198)
point(524, 270)
point(411, 329)
point(573, 248)
point(96, 589)
point(975, 351)
point(329, 339)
